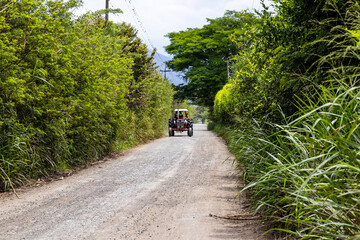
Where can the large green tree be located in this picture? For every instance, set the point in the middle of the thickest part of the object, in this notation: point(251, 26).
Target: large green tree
point(202, 54)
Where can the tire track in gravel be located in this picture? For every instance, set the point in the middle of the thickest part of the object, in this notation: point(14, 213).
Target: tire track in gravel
point(162, 190)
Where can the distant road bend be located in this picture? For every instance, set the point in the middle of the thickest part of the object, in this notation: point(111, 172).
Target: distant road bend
point(172, 188)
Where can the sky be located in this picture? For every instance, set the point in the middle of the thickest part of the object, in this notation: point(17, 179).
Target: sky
point(155, 18)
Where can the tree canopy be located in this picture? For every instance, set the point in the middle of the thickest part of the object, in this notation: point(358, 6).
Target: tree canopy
point(203, 54)
point(286, 56)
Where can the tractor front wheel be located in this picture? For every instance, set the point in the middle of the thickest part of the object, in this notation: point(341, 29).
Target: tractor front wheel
point(190, 132)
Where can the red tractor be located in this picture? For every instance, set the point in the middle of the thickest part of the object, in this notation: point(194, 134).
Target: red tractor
point(181, 123)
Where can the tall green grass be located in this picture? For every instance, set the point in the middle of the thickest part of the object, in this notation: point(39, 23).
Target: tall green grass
point(303, 171)
point(306, 174)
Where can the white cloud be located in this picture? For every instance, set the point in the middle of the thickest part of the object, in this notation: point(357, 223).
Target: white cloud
point(160, 17)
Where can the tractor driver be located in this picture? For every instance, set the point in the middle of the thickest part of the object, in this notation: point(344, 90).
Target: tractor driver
point(181, 116)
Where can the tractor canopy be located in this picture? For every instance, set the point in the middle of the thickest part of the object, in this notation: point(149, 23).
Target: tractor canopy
point(181, 112)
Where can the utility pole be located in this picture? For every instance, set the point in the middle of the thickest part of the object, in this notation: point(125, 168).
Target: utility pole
point(165, 71)
point(107, 13)
point(229, 70)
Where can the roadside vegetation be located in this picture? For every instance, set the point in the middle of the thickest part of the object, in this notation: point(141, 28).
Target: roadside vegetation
point(290, 114)
point(72, 89)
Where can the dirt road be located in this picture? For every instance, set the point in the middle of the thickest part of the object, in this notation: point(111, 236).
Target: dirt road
point(172, 188)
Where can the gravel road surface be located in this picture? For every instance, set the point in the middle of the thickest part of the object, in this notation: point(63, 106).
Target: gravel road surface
point(172, 188)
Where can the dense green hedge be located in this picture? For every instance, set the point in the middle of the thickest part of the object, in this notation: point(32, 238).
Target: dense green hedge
point(67, 89)
point(291, 111)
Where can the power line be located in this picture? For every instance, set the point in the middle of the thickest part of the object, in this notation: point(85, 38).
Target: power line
point(140, 25)
point(112, 5)
point(138, 21)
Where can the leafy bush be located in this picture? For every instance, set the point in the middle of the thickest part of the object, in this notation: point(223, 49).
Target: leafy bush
point(66, 89)
point(294, 117)
point(223, 104)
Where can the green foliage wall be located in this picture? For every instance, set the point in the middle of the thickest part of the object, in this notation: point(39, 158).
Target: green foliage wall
point(66, 89)
point(287, 55)
point(290, 116)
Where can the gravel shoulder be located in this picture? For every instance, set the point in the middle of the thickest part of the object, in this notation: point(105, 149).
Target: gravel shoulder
point(172, 188)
